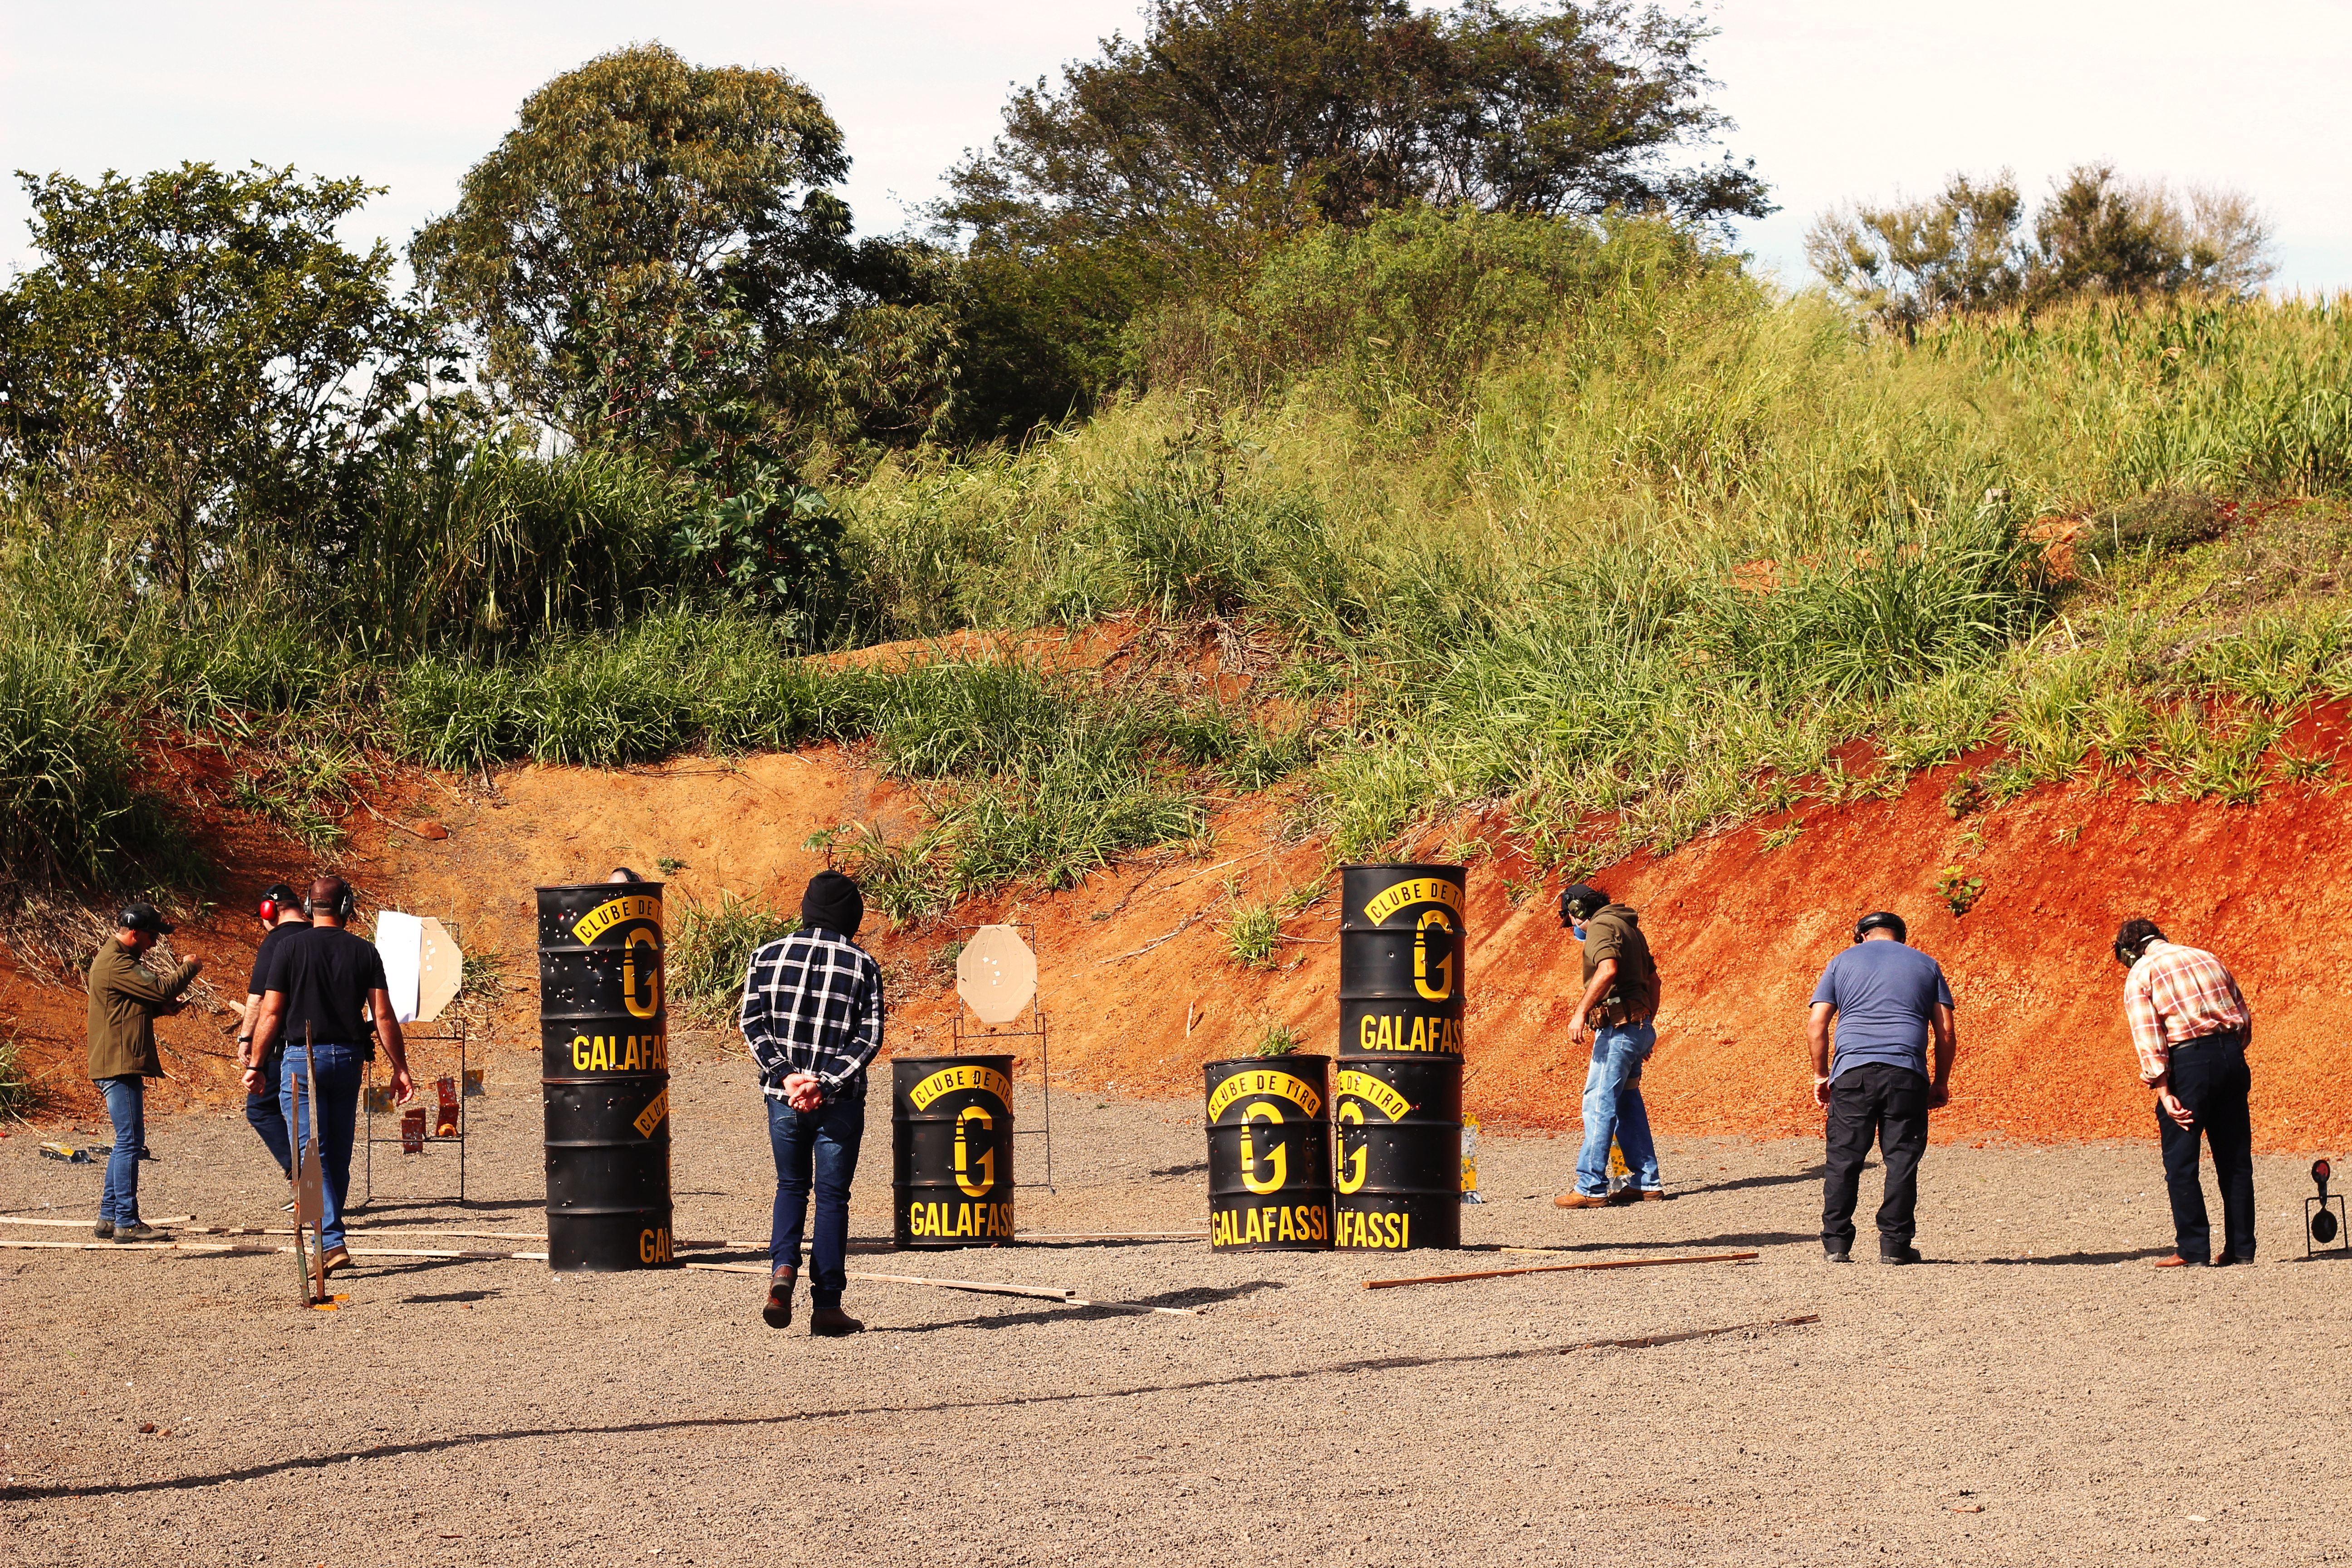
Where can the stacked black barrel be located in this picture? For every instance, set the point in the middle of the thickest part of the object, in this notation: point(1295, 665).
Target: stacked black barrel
point(1398, 1093)
point(604, 1075)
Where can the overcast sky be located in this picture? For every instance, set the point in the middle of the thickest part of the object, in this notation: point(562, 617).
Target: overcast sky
point(1835, 99)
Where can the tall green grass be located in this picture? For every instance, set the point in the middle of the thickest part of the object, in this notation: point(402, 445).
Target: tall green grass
point(1599, 526)
point(710, 949)
point(1579, 519)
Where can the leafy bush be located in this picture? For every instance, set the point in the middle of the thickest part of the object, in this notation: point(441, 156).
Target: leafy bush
point(710, 949)
point(66, 797)
point(473, 542)
point(1253, 935)
point(21, 1094)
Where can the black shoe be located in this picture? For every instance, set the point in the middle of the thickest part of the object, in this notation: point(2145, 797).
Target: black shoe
point(777, 1313)
point(103, 1231)
point(1897, 1252)
point(1833, 1253)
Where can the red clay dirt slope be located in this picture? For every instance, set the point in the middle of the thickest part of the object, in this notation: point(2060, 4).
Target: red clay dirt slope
point(1141, 990)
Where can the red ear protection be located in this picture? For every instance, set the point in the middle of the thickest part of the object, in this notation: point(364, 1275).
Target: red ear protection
point(276, 899)
point(267, 911)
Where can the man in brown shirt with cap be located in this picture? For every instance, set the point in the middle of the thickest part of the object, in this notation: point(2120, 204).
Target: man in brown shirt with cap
point(126, 997)
point(1620, 1000)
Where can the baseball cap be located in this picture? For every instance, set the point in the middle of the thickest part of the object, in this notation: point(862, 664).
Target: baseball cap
point(146, 918)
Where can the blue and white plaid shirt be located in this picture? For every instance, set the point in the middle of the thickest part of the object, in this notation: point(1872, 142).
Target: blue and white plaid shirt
point(813, 1003)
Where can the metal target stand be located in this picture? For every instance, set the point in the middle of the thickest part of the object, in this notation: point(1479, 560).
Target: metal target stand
point(375, 1098)
point(2325, 1232)
point(968, 1029)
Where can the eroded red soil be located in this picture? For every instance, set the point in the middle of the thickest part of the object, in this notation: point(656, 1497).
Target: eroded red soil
point(1140, 987)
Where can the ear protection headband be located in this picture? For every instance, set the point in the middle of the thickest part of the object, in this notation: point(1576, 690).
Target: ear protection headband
point(342, 908)
point(1881, 920)
point(1580, 902)
point(276, 899)
point(2127, 952)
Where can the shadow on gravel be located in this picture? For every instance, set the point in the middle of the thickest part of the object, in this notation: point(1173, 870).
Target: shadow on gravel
point(1202, 1296)
point(1181, 1170)
point(1744, 1182)
point(376, 1215)
point(451, 1296)
point(22, 1493)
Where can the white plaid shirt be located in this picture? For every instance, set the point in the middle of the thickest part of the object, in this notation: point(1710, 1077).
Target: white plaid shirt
point(812, 1003)
point(2175, 993)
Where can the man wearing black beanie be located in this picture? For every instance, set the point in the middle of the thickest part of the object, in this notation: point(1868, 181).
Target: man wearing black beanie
point(813, 1017)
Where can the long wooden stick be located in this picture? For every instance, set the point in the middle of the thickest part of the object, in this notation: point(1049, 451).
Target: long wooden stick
point(152, 1219)
point(264, 1249)
point(1556, 1268)
point(1111, 1236)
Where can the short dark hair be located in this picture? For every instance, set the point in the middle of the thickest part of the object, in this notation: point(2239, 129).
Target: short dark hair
point(2132, 939)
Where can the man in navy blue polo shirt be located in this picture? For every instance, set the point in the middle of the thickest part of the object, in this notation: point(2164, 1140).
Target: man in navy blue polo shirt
point(1887, 999)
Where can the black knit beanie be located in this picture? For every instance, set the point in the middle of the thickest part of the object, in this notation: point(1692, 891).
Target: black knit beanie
point(834, 902)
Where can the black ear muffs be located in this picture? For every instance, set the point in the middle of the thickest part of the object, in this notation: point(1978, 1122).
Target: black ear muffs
point(346, 904)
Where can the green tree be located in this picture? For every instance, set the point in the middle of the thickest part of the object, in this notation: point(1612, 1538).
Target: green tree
point(1906, 263)
point(1967, 249)
point(199, 347)
point(2098, 236)
point(1169, 165)
point(653, 254)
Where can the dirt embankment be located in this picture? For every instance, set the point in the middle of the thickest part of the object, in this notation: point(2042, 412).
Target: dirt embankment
point(1141, 988)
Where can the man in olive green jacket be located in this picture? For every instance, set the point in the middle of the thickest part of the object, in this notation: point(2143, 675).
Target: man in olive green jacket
point(126, 997)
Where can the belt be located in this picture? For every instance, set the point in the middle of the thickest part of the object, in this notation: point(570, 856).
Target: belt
point(2219, 1038)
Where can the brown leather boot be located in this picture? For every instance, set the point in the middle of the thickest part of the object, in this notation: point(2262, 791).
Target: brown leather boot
point(777, 1311)
point(831, 1322)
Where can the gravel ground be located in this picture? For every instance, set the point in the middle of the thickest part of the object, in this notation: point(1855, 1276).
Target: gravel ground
point(2036, 1392)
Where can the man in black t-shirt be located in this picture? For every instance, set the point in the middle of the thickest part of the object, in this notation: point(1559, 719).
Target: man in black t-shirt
point(323, 986)
point(280, 911)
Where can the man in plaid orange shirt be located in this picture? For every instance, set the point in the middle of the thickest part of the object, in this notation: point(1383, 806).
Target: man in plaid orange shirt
point(2190, 1024)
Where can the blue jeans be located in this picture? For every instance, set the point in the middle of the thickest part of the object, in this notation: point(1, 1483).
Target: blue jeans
point(339, 1070)
point(126, 1107)
point(816, 1148)
point(1613, 1109)
point(268, 1117)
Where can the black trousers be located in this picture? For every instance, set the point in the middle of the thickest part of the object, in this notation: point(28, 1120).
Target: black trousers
point(1888, 1105)
point(2210, 1078)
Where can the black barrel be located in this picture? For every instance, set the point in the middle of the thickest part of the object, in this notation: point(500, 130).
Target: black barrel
point(1398, 1096)
point(1269, 1126)
point(1400, 1167)
point(1374, 1026)
point(604, 1075)
point(1400, 960)
point(951, 1151)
